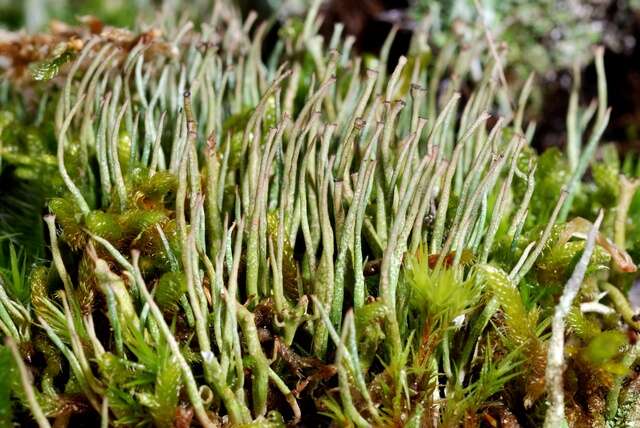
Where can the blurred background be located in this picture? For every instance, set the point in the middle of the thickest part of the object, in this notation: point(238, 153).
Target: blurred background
point(550, 38)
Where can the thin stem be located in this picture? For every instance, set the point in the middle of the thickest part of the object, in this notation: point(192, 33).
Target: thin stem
point(34, 406)
point(75, 192)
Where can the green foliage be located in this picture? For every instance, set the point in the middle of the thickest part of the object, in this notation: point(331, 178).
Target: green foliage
point(171, 286)
point(605, 346)
point(438, 293)
point(556, 264)
point(605, 178)
point(491, 379)
point(167, 390)
point(521, 328)
point(28, 173)
point(551, 175)
point(105, 225)
point(13, 271)
point(521, 323)
point(69, 217)
point(190, 250)
point(7, 383)
point(155, 188)
point(369, 320)
point(47, 70)
point(581, 325)
point(137, 221)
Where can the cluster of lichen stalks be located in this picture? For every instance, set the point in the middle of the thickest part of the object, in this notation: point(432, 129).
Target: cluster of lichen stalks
point(242, 242)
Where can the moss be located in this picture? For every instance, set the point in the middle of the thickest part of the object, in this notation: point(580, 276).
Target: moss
point(171, 287)
point(305, 282)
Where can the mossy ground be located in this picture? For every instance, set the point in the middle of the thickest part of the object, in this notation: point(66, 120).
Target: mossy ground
point(234, 239)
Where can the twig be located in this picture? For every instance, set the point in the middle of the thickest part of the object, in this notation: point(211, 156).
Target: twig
point(555, 416)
